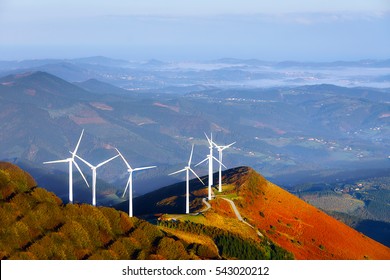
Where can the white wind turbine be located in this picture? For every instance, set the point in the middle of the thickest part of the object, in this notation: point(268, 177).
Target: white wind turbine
point(70, 162)
point(187, 169)
point(210, 140)
point(93, 168)
point(220, 149)
point(210, 158)
point(130, 181)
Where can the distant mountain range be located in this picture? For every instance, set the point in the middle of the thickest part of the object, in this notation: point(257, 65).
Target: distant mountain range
point(278, 131)
point(221, 73)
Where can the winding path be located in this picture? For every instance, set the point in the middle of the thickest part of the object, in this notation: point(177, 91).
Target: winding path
point(239, 217)
point(236, 212)
point(208, 206)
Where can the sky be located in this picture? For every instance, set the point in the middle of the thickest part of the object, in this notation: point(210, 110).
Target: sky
point(303, 30)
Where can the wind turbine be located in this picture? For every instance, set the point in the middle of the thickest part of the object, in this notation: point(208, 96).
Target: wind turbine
point(220, 149)
point(187, 169)
point(210, 140)
point(93, 168)
point(130, 181)
point(210, 158)
point(70, 162)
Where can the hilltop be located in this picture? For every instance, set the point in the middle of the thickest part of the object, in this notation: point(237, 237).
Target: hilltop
point(285, 219)
point(297, 226)
point(35, 224)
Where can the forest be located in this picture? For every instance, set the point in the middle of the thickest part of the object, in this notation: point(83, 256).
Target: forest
point(233, 246)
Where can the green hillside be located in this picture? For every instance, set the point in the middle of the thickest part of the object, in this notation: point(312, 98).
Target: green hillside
point(35, 224)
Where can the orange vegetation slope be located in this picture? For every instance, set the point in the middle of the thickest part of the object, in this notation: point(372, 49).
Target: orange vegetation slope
point(296, 225)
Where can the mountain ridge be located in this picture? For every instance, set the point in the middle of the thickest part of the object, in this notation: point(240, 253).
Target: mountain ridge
point(288, 221)
point(301, 228)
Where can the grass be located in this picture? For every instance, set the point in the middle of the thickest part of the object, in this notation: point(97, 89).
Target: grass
point(230, 196)
point(196, 219)
point(228, 191)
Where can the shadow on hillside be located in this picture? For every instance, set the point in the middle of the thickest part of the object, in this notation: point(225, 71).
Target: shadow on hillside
point(379, 231)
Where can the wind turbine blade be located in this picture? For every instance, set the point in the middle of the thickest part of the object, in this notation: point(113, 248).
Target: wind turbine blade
point(219, 162)
point(196, 175)
point(82, 175)
point(104, 162)
point(216, 146)
point(78, 143)
point(177, 172)
point(208, 139)
point(202, 161)
point(192, 151)
point(86, 162)
point(127, 185)
point(212, 142)
point(231, 144)
point(56, 161)
point(228, 146)
point(123, 158)
point(144, 168)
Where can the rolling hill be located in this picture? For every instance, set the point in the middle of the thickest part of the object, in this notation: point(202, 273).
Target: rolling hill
point(299, 227)
point(35, 224)
point(275, 224)
point(41, 89)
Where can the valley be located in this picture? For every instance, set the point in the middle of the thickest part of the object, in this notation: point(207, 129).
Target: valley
point(361, 204)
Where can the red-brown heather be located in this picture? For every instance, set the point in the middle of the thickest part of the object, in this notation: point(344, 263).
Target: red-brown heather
point(297, 226)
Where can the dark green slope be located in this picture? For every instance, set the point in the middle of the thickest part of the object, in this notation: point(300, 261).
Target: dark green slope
point(159, 201)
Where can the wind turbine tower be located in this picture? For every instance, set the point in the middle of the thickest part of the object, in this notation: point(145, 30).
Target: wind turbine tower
point(93, 168)
point(210, 140)
point(70, 162)
point(220, 150)
point(130, 181)
point(187, 169)
point(210, 158)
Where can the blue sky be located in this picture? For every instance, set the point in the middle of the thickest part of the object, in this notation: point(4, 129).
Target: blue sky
point(302, 30)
